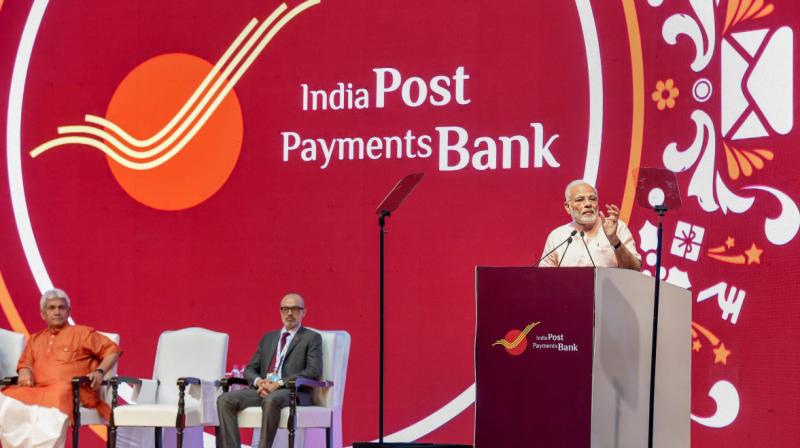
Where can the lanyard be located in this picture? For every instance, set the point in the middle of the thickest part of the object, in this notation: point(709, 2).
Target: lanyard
point(282, 353)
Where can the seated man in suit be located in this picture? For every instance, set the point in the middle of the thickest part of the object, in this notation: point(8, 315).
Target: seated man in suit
point(282, 355)
point(35, 411)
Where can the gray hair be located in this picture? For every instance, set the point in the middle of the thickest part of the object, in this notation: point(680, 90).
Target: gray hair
point(574, 184)
point(51, 294)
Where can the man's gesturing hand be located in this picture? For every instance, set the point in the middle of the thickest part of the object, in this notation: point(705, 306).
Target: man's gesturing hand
point(609, 221)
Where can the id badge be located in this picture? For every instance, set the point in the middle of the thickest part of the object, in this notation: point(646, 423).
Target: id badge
point(273, 376)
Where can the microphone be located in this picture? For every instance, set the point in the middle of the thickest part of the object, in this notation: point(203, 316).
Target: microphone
point(587, 250)
point(566, 241)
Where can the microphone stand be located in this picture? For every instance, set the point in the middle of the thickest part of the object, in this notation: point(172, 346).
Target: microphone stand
point(660, 210)
point(382, 224)
point(566, 241)
point(569, 241)
point(588, 252)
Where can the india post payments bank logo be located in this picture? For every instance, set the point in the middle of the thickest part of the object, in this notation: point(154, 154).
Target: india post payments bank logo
point(188, 159)
point(515, 342)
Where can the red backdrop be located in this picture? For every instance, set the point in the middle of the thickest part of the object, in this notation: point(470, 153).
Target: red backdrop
point(500, 104)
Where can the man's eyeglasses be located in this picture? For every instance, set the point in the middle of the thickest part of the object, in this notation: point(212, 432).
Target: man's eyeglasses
point(294, 309)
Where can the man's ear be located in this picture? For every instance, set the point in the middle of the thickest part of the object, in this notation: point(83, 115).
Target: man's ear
point(566, 208)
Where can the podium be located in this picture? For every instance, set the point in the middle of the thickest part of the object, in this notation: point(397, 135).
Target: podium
point(562, 359)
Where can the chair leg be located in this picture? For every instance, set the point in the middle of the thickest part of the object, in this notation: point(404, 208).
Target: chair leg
point(180, 421)
point(158, 437)
point(217, 437)
point(291, 424)
point(112, 436)
point(108, 437)
point(76, 410)
point(328, 438)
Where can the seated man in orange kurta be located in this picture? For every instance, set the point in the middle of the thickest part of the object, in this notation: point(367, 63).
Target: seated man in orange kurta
point(35, 412)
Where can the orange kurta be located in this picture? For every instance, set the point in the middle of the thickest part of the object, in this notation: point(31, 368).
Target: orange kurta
point(55, 357)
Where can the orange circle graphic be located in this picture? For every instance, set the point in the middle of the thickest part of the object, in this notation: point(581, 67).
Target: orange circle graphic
point(516, 351)
point(144, 102)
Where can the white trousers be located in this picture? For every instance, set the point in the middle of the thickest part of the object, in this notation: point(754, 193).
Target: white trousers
point(27, 426)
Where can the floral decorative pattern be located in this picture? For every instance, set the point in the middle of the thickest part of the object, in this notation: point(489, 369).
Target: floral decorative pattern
point(665, 94)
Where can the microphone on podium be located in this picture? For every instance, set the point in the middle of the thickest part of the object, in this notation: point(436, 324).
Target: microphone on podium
point(566, 241)
point(587, 250)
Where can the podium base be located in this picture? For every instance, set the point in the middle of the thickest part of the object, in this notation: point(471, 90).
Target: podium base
point(407, 445)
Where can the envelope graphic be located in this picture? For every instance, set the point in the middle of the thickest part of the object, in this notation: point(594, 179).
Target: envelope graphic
point(757, 83)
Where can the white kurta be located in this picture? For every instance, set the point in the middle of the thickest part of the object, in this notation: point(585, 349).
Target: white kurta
point(575, 254)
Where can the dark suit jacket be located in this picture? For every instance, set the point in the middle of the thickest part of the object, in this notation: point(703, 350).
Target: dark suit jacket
point(303, 357)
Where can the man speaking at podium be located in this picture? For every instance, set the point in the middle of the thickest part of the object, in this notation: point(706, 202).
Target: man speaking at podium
point(593, 238)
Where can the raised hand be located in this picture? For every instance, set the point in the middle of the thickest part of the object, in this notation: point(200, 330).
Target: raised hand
point(609, 221)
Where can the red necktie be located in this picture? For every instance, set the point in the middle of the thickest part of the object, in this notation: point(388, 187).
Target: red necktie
point(284, 336)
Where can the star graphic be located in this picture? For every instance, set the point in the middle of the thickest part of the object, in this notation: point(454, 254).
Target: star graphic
point(696, 345)
point(729, 242)
point(721, 354)
point(753, 254)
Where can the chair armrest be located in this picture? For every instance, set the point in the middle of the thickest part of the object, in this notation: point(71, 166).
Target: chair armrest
point(226, 383)
point(308, 382)
point(144, 391)
point(184, 380)
point(78, 380)
point(10, 380)
point(133, 381)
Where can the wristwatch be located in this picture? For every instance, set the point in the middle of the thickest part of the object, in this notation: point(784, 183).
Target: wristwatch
point(102, 372)
point(619, 243)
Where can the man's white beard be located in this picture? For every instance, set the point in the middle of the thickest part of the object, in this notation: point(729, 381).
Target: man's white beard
point(584, 220)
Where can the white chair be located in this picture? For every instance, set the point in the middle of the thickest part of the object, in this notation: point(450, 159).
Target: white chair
point(90, 416)
point(11, 346)
point(327, 398)
point(193, 357)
